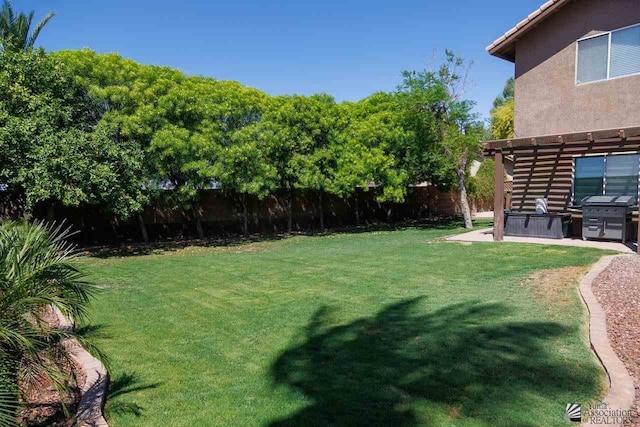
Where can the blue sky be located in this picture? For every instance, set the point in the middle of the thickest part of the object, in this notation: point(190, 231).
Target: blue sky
point(347, 48)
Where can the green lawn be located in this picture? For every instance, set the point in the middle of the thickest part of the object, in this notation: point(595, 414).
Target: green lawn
point(380, 328)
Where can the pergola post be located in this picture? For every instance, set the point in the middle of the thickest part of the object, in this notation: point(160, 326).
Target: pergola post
point(638, 231)
point(498, 198)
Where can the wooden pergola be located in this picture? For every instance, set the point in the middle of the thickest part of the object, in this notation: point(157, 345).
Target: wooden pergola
point(565, 146)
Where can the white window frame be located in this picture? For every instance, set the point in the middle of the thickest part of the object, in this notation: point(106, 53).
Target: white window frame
point(604, 178)
point(608, 34)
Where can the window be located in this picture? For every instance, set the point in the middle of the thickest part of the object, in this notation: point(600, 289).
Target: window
point(589, 179)
point(593, 59)
point(612, 175)
point(625, 52)
point(609, 55)
point(621, 175)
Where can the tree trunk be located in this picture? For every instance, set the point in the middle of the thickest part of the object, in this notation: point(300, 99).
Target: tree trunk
point(51, 212)
point(464, 201)
point(114, 225)
point(245, 225)
point(357, 209)
point(389, 212)
point(198, 219)
point(289, 211)
point(84, 227)
point(143, 228)
point(321, 210)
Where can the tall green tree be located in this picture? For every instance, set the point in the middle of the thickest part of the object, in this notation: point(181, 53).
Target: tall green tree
point(314, 162)
point(76, 167)
point(52, 147)
point(316, 172)
point(243, 167)
point(195, 121)
point(15, 28)
point(503, 112)
point(508, 92)
point(130, 95)
point(296, 131)
point(437, 107)
point(502, 120)
point(181, 160)
point(370, 150)
point(182, 123)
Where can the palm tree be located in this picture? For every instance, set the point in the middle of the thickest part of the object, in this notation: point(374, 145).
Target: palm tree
point(15, 28)
point(37, 272)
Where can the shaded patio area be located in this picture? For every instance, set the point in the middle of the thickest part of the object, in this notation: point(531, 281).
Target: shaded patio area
point(547, 169)
point(486, 236)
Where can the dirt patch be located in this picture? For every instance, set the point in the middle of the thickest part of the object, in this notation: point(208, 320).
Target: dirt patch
point(555, 288)
point(617, 289)
point(454, 411)
point(41, 403)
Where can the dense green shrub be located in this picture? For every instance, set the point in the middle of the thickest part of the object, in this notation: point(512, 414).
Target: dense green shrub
point(483, 183)
point(53, 146)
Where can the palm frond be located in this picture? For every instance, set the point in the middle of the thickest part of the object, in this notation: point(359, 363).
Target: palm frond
point(8, 14)
point(8, 391)
point(8, 406)
point(36, 31)
point(15, 28)
point(37, 272)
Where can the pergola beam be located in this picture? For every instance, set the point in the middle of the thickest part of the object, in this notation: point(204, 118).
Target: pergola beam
point(602, 136)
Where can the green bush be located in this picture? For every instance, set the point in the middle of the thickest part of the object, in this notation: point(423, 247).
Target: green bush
point(482, 184)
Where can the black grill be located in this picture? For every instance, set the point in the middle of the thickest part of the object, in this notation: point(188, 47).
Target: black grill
point(607, 217)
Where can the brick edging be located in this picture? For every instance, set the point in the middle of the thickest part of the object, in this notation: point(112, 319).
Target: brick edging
point(621, 393)
point(94, 390)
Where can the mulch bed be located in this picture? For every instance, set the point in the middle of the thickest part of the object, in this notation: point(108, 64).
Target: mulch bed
point(618, 291)
point(41, 405)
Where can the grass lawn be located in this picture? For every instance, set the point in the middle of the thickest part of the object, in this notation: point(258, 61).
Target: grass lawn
point(381, 328)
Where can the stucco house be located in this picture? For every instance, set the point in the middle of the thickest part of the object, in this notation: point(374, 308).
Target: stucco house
point(577, 108)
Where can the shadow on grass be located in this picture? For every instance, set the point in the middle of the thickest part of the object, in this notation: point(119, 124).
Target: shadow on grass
point(90, 331)
point(122, 385)
point(136, 249)
point(464, 357)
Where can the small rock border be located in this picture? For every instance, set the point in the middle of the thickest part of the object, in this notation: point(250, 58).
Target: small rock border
point(621, 388)
point(94, 390)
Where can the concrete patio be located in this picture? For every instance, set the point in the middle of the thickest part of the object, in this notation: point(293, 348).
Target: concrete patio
point(486, 236)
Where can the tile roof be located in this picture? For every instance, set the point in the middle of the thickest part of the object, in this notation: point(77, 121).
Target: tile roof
point(503, 46)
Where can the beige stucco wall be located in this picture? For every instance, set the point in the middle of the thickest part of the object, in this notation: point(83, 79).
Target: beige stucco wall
point(548, 101)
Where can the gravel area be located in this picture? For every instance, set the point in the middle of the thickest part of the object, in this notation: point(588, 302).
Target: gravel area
point(618, 291)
